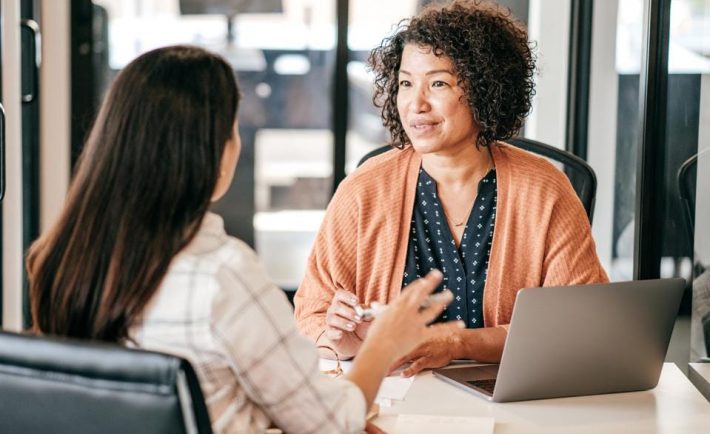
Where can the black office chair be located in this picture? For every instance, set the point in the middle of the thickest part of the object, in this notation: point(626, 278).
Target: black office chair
point(580, 174)
point(58, 386)
point(686, 186)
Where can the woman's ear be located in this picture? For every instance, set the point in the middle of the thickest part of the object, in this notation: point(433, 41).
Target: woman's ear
point(228, 165)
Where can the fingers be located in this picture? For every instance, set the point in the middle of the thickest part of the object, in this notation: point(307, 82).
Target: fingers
point(333, 334)
point(340, 323)
point(436, 304)
point(345, 313)
point(362, 329)
point(417, 366)
point(346, 297)
point(341, 316)
point(419, 352)
point(421, 288)
point(398, 364)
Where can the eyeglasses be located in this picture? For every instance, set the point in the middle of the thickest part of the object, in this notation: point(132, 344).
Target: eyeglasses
point(338, 370)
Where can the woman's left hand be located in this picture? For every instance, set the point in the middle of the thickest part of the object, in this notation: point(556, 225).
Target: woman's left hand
point(438, 351)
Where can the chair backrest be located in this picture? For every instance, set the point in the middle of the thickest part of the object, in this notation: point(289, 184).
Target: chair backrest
point(580, 174)
point(686, 186)
point(51, 385)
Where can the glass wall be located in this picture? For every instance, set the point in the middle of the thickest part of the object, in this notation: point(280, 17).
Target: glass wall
point(689, 138)
point(366, 31)
point(688, 111)
point(700, 318)
point(614, 141)
point(283, 53)
point(613, 129)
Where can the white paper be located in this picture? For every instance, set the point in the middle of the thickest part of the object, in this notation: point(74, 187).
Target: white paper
point(394, 387)
point(422, 424)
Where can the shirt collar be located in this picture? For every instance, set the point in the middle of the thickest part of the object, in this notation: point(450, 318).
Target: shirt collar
point(212, 224)
point(428, 184)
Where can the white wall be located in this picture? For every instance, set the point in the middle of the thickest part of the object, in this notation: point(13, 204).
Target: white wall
point(603, 100)
point(55, 110)
point(54, 139)
point(548, 25)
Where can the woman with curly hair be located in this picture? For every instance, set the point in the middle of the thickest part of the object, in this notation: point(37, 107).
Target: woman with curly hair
point(453, 84)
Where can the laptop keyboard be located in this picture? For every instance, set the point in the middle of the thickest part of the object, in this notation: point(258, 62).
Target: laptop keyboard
point(485, 385)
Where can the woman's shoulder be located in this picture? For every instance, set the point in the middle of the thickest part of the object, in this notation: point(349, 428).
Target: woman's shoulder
point(212, 248)
point(226, 261)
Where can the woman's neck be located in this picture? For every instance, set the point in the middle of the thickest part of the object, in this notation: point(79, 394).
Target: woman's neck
point(460, 167)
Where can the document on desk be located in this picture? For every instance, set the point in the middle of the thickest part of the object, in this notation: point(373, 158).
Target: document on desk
point(423, 424)
point(394, 387)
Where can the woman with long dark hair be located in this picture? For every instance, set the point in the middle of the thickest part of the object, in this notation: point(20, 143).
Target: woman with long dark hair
point(135, 258)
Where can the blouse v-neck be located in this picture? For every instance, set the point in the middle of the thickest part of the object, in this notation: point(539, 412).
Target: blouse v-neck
point(432, 245)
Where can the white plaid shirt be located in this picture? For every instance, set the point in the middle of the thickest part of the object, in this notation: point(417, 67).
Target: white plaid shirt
point(217, 308)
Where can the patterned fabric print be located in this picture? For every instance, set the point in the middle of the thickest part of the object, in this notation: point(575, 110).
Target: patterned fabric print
point(432, 245)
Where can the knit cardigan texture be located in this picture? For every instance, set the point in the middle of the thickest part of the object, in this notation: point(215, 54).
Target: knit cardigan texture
point(542, 236)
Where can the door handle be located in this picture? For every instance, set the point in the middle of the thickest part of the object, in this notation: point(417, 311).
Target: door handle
point(35, 54)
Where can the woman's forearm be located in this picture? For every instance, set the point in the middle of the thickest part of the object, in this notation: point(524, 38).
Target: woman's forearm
point(372, 365)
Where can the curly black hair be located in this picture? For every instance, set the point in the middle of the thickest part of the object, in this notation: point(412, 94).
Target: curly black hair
point(492, 57)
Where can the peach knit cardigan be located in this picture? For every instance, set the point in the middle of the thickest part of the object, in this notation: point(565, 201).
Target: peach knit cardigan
point(542, 236)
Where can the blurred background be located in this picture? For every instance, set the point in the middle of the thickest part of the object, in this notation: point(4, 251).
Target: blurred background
point(307, 116)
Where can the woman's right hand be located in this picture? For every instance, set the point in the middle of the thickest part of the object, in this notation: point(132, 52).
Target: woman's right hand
point(340, 317)
point(343, 327)
point(397, 330)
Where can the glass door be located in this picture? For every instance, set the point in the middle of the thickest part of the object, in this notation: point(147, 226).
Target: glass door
point(688, 142)
point(283, 54)
point(288, 117)
point(365, 32)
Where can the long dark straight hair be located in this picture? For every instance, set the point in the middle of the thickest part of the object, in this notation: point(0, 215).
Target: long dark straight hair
point(141, 189)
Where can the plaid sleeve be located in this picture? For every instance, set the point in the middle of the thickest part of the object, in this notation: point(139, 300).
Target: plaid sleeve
point(277, 368)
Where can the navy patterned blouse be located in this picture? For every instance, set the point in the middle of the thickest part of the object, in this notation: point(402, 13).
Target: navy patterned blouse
point(432, 245)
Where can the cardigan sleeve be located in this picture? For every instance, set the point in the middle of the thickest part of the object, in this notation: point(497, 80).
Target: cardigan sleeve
point(570, 252)
point(331, 264)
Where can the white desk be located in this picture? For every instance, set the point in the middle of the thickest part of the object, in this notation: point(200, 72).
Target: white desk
point(674, 406)
point(699, 375)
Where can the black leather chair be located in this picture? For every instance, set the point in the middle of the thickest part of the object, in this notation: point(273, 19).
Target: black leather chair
point(54, 386)
point(580, 174)
point(686, 185)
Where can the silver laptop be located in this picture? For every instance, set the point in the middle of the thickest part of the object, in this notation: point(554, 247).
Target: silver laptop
point(579, 340)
